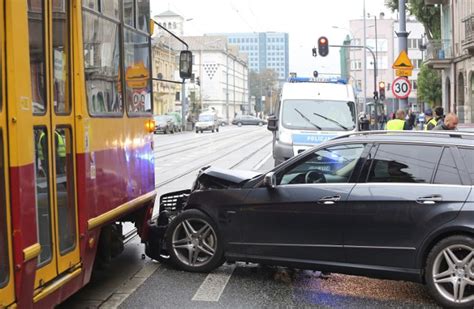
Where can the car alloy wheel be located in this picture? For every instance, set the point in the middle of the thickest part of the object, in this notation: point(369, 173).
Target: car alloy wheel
point(450, 273)
point(239, 124)
point(193, 242)
point(260, 124)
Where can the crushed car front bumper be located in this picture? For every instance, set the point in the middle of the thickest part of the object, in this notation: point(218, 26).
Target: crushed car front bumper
point(171, 205)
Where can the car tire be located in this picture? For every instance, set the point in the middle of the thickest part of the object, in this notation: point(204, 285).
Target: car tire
point(202, 131)
point(239, 124)
point(449, 264)
point(217, 129)
point(194, 232)
point(213, 130)
point(197, 131)
point(260, 124)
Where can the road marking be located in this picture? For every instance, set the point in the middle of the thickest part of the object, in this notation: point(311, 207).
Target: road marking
point(212, 287)
point(262, 162)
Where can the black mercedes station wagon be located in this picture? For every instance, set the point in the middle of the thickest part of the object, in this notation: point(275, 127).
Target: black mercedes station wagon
point(387, 205)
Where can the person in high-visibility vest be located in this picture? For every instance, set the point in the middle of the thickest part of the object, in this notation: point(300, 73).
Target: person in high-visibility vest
point(398, 123)
point(60, 151)
point(429, 120)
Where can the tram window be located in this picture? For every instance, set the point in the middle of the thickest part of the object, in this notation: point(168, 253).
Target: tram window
point(37, 55)
point(61, 51)
point(102, 65)
point(4, 253)
point(111, 8)
point(143, 14)
point(43, 210)
point(137, 68)
point(65, 193)
point(129, 12)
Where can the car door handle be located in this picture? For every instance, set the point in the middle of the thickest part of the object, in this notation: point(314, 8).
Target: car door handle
point(329, 200)
point(429, 200)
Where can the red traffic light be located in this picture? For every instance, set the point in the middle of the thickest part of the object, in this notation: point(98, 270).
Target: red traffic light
point(323, 46)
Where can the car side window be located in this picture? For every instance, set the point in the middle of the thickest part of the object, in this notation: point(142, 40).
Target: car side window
point(404, 163)
point(329, 165)
point(468, 156)
point(447, 172)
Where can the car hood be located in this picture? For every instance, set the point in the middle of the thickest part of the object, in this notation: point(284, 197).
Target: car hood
point(217, 178)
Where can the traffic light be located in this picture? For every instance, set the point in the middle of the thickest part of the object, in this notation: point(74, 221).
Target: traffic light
point(382, 91)
point(323, 46)
point(198, 81)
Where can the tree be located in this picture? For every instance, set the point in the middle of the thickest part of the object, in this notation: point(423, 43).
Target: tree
point(429, 86)
point(428, 15)
point(261, 84)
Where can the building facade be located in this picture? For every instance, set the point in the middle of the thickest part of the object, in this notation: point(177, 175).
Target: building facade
point(164, 68)
point(453, 56)
point(171, 21)
point(264, 50)
point(222, 73)
point(382, 40)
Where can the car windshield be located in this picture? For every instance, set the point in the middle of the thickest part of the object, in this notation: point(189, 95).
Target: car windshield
point(318, 115)
point(206, 117)
point(161, 118)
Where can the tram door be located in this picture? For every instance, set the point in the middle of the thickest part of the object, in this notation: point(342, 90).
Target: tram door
point(53, 113)
point(7, 293)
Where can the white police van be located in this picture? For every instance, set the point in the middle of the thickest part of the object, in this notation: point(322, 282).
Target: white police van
point(310, 112)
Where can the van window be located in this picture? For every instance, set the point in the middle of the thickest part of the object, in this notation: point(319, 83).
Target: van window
point(319, 114)
point(206, 117)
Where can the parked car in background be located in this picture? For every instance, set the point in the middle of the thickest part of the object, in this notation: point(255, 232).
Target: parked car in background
point(164, 124)
point(176, 117)
point(207, 121)
point(222, 121)
point(248, 120)
point(364, 204)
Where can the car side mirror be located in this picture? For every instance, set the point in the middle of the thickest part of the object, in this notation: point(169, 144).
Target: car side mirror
point(185, 64)
point(270, 180)
point(272, 123)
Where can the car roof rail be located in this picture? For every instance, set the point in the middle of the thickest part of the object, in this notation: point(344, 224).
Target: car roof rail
point(436, 133)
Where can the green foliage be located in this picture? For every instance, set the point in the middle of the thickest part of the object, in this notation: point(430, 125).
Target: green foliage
point(428, 15)
point(261, 83)
point(429, 86)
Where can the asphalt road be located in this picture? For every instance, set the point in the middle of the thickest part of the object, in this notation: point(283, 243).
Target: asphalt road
point(132, 281)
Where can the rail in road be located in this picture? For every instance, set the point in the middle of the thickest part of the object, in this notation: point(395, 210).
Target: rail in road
point(185, 145)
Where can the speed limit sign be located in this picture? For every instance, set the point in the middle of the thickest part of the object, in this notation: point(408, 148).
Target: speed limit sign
point(401, 88)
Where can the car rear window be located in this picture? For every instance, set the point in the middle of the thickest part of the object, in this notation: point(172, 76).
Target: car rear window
point(468, 156)
point(447, 172)
point(404, 163)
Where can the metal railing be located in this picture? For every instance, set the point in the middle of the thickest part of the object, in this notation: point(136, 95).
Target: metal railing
point(439, 50)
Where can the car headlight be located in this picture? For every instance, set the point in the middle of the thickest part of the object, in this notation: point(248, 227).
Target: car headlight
point(286, 137)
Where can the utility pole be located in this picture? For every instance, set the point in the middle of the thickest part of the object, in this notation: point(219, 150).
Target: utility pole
point(227, 81)
point(365, 61)
point(402, 35)
point(377, 97)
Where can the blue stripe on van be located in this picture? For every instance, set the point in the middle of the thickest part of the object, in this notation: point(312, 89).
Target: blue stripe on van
point(311, 139)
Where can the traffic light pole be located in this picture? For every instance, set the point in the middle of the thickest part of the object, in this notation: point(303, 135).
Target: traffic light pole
point(376, 97)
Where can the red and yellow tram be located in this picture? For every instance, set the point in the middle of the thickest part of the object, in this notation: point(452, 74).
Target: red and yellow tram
point(76, 153)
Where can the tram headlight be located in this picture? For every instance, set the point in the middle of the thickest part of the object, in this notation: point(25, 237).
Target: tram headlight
point(150, 125)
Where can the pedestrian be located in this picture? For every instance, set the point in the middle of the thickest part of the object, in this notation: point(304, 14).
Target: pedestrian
point(430, 122)
point(439, 115)
point(450, 123)
point(410, 122)
point(398, 123)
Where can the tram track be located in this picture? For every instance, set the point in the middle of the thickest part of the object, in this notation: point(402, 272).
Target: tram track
point(207, 162)
point(200, 144)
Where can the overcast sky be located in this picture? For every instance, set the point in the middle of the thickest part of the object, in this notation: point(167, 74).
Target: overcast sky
point(303, 20)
